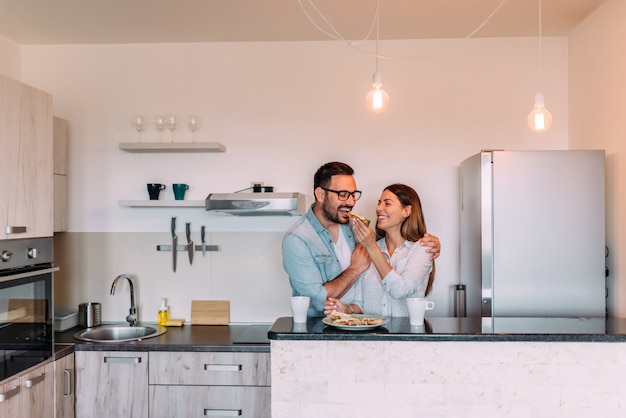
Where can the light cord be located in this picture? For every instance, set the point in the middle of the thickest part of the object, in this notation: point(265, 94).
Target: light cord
point(540, 44)
point(377, 32)
point(337, 36)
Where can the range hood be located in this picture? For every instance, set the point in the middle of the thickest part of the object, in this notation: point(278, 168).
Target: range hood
point(258, 204)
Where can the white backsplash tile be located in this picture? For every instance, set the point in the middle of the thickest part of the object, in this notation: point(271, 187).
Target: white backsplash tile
point(247, 271)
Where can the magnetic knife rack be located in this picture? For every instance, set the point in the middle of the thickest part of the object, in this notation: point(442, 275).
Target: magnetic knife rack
point(185, 247)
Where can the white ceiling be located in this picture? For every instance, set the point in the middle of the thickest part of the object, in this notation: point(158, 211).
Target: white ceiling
point(156, 21)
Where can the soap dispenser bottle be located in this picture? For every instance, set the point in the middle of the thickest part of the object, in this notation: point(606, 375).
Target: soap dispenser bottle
point(164, 314)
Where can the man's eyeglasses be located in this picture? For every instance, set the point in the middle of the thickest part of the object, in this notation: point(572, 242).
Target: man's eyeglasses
point(344, 194)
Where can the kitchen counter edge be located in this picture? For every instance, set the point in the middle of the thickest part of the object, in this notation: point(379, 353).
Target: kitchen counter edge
point(191, 338)
point(461, 329)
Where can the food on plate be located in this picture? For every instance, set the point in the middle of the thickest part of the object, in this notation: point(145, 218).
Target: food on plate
point(361, 218)
point(340, 318)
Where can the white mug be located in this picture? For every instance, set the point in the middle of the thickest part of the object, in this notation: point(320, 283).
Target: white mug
point(417, 309)
point(300, 308)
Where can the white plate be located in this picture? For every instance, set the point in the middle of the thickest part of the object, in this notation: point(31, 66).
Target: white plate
point(328, 321)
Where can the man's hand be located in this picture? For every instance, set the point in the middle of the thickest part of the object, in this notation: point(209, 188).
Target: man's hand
point(432, 242)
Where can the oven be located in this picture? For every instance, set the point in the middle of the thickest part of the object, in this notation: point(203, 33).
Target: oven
point(26, 304)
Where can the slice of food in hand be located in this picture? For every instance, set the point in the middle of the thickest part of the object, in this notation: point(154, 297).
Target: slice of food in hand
point(361, 218)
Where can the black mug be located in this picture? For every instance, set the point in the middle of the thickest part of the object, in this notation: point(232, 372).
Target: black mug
point(154, 189)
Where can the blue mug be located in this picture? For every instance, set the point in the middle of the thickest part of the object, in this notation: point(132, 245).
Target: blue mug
point(179, 190)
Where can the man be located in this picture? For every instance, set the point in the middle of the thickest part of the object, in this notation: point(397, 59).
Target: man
point(320, 253)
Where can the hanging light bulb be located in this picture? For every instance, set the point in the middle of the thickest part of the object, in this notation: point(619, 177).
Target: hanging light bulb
point(377, 99)
point(539, 119)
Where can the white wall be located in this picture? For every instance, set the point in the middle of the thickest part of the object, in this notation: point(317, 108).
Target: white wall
point(282, 109)
point(10, 58)
point(597, 101)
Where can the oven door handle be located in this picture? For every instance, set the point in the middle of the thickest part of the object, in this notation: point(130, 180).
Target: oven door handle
point(29, 274)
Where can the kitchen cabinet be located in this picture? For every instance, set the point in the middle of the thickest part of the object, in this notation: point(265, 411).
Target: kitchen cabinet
point(25, 161)
point(59, 174)
point(29, 395)
point(64, 386)
point(111, 384)
point(10, 399)
point(209, 383)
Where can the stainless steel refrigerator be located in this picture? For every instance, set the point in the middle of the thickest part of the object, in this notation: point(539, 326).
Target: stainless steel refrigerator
point(532, 233)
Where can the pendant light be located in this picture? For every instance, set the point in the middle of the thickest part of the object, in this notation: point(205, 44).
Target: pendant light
point(377, 99)
point(539, 119)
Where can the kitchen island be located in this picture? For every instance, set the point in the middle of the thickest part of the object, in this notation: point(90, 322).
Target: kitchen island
point(450, 367)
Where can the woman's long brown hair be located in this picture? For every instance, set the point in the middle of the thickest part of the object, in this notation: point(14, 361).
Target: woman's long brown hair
point(414, 227)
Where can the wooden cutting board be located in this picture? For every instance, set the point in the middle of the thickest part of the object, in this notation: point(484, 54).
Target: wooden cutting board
point(210, 312)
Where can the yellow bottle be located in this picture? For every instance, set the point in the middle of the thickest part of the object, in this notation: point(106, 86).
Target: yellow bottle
point(164, 314)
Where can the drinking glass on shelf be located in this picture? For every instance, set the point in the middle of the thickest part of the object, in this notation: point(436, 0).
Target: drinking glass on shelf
point(138, 125)
point(159, 122)
point(170, 123)
point(193, 122)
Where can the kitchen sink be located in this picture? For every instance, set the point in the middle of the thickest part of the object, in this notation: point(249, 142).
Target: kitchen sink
point(118, 333)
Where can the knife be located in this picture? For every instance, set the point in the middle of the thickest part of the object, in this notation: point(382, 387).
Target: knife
point(174, 243)
point(190, 247)
point(203, 241)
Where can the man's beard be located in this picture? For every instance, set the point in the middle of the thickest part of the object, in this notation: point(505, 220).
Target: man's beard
point(332, 214)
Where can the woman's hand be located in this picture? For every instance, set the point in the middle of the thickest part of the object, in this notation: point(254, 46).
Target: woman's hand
point(432, 242)
point(364, 235)
point(334, 304)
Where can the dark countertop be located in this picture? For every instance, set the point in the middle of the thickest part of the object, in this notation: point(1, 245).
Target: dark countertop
point(236, 337)
point(462, 329)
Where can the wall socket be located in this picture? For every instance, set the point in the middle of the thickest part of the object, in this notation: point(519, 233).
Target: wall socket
point(257, 183)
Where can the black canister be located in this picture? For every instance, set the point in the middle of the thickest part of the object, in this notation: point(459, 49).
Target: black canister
point(459, 301)
point(89, 315)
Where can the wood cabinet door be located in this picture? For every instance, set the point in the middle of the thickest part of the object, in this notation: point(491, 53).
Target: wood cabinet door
point(213, 401)
point(111, 384)
point(37, 393)
point(210, 368)
point(65, 382)
point(10, 399)
point(25, 160)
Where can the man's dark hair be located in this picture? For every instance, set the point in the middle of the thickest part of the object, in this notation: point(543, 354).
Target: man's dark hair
point(325, 172)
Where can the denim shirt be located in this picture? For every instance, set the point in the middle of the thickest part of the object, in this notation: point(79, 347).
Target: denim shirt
point(310, 261)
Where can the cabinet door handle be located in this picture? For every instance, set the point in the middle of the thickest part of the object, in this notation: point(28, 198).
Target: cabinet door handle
point(32, 382)
point(9, 394)
point(68, 383)
point(223, 412)
point(132, 360)
point(222, 367)
point(15, 229)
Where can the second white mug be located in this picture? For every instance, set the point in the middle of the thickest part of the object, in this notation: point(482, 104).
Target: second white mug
point(417, 309)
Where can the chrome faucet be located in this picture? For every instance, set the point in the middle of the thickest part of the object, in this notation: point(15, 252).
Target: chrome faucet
point(132, 315)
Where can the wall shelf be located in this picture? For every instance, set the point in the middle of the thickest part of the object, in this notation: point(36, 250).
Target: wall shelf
point(163, 203)
point(172, 147)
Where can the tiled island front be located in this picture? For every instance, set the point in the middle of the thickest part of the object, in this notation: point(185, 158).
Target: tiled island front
point(452, 367)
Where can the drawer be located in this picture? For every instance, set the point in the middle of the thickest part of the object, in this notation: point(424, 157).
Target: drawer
point(209, 368)
point(209, 401)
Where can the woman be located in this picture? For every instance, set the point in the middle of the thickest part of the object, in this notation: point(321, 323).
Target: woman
point(400, 267)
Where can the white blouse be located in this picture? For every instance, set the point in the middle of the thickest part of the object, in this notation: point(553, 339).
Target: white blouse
point(411, 266)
